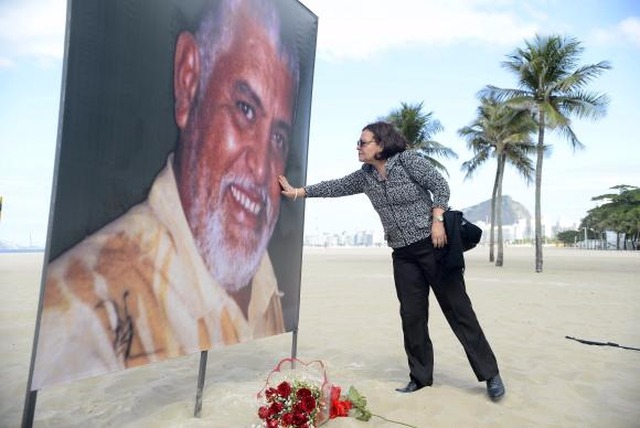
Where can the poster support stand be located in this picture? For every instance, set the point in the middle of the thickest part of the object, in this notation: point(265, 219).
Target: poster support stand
point(29, 409)
point(197, 411)
point(294, 343)
point(201, 376)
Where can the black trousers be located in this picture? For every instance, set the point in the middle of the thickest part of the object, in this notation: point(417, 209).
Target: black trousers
point(415, 269)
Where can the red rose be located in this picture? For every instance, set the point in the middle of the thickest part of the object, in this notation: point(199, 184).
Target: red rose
point(339, 408)
point(299, 408)
point(272, 423)
point(300, 419)
point(335, 392)
point(270, 392)
point(264, 412)
point(303, 392)
point(308, 403)
point(287, 418)
point(345, 407)
point(275, 408)
point(284, 389)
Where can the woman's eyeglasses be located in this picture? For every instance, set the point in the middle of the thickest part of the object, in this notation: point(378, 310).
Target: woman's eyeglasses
point(360, 144)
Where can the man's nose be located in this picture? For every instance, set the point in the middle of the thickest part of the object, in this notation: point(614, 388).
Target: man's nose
point(258, 156)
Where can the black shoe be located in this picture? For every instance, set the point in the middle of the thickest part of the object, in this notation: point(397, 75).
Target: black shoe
point(495, 388)
point(411, 387)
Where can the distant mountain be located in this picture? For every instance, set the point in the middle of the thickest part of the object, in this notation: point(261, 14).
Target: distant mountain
point(6, 247)
point(512, 211)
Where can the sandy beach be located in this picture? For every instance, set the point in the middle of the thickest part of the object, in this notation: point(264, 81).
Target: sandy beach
point(349, 319)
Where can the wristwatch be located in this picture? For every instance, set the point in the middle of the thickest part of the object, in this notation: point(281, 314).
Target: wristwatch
point(438, 218)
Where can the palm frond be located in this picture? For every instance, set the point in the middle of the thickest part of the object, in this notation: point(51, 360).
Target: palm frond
point(550, 79)
point(500, 131)
point(590, 105)
point(419, 128)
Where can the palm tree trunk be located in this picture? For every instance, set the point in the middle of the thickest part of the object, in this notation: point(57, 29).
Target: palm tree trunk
point(493, 212)
point(500, 176)
point(538, 209)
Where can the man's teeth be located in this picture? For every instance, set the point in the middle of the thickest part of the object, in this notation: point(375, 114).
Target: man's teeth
point(243, 200)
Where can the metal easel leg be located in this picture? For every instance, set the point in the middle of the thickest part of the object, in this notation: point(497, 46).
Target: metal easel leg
point(29, 409)
point(201, 376)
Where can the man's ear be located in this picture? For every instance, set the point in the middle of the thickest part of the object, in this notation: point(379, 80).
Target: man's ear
point(186, 74)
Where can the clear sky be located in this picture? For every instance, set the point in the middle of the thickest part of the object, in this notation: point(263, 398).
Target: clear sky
point(372, 55)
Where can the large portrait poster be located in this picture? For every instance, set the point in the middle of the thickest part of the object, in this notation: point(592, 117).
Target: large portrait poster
point(168, 232)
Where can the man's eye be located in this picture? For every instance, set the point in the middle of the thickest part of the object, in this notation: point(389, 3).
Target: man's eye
point(279, 141)
point(246, 110)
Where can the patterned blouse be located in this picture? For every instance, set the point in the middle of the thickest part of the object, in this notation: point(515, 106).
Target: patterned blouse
point(404, 200)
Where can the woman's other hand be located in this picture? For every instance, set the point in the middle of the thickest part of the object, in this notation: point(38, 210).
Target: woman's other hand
point(438, 234)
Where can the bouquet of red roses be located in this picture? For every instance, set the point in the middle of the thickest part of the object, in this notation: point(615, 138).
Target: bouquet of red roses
point(294, 404)
point(295, 395)
point(299, 395)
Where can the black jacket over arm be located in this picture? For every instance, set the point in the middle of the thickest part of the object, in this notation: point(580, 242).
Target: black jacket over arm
point(451, 256)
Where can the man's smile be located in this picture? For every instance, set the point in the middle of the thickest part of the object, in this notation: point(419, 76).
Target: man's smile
point(250, 201)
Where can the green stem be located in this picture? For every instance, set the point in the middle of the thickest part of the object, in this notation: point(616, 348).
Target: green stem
point(392, 421)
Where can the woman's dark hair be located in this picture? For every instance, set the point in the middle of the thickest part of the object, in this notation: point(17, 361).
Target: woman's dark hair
point(388, 138)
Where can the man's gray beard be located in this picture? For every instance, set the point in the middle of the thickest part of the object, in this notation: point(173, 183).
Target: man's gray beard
point(233, 268)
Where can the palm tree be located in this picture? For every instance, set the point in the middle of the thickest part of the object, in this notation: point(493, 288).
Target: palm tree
point(553, 86)
point(418, 128)
point(504, 133)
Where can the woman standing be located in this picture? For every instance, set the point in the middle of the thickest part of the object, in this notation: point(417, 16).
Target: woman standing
point(410, 197)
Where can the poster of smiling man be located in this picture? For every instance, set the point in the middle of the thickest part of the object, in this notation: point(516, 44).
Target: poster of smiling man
point(168, 234)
